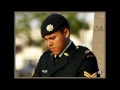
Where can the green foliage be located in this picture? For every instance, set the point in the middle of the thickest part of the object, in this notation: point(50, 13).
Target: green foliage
point(75, 24)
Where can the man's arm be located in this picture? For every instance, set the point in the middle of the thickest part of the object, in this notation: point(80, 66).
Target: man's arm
point(89, 67)
point(37, 72)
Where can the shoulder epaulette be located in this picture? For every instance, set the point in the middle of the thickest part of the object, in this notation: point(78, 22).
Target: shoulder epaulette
point(83, 49)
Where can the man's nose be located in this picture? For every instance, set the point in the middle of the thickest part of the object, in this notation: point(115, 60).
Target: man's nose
point(49, 43)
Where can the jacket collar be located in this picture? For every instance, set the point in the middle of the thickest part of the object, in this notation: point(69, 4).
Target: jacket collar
point(62, 61)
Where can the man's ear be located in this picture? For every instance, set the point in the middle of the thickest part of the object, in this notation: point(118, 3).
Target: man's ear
point(66, 32)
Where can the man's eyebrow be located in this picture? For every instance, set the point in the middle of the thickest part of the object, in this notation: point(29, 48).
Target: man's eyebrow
point(50, 37)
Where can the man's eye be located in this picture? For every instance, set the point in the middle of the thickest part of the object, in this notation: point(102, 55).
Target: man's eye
point(53, 38)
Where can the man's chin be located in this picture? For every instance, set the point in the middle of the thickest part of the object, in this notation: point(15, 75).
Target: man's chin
point(55, 53)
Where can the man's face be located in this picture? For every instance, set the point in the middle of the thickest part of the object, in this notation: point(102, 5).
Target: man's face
point(57, 41)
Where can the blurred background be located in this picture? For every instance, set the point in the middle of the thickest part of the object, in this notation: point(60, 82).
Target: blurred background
point(29, 45)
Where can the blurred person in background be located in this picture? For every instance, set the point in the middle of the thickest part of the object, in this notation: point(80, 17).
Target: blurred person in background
point(63, 59)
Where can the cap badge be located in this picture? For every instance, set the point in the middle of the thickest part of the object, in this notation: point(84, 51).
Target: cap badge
point(50, 27)
point(66, 54)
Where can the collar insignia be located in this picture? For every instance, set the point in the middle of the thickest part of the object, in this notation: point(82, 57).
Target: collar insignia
point(66, 54)
point(49, 27)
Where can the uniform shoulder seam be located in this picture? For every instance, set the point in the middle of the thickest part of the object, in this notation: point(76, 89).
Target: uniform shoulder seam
point(83, 50)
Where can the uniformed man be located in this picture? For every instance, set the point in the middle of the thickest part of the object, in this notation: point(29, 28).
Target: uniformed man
point(63, 59)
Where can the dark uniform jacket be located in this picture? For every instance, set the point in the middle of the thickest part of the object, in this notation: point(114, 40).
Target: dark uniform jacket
point(76, 61)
